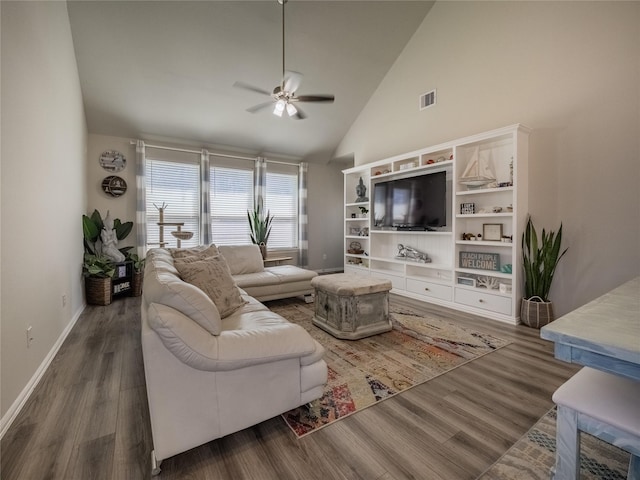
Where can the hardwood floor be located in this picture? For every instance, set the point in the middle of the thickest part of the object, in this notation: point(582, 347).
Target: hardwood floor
point(88, 416)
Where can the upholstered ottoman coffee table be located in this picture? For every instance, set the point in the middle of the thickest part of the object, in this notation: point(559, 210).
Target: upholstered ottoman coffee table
point(350, 306)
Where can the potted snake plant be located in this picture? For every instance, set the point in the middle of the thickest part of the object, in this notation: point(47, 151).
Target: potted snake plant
point(260, 227)
point(540, 259)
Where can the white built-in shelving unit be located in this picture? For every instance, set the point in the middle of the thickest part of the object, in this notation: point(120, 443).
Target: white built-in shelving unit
point(500, 205)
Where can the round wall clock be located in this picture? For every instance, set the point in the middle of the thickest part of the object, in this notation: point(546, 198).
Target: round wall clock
point(114, 186)
point(113, 161)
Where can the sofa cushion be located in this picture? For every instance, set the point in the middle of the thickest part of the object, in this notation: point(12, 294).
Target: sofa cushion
point(283, 274)
point(265, 277)
point(242, 258)
point(291, 273)
point(161, 260)
point(211, 275)
point(201, 251)
point(161, 286)
point(254, 338)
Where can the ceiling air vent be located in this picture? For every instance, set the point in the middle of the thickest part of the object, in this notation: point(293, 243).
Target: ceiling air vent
point(427, 99)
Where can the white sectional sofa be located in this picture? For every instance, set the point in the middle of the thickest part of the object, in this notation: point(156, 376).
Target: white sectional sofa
point(207, 374)
point(265, 283)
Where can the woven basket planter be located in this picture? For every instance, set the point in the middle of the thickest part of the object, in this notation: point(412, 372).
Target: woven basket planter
point(98, 290)
point(136, 284)
point(536, 314)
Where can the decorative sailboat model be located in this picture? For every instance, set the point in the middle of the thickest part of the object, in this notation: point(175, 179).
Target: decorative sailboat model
point(478, 173)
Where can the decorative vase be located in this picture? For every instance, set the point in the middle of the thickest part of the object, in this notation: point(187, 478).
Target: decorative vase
point(136, 284)
point(98, 290)
point(263, 250)
point(536, 313)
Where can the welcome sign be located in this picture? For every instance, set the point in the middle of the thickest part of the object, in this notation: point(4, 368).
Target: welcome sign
point(480, 261)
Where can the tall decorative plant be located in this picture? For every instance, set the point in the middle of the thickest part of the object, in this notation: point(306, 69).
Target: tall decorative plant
point(97, 268)
point(541, 256)
point(260, 226)
point(93, 225)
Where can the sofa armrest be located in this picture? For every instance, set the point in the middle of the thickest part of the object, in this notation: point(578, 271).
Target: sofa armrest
point(264, 337)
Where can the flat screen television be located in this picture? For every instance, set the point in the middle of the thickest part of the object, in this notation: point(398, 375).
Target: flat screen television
point(418, 203)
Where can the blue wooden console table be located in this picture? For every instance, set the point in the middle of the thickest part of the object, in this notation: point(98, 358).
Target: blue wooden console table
point(603, 334)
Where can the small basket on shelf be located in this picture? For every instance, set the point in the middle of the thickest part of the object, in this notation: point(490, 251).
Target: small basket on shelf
point(355, 248)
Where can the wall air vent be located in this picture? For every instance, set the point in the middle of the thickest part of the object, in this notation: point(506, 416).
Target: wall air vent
point(427, 99)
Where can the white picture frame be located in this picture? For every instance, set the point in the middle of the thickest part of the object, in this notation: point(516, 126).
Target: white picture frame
point(492, 232)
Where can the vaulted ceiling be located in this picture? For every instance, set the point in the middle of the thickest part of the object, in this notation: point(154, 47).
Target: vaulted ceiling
point(166, 69)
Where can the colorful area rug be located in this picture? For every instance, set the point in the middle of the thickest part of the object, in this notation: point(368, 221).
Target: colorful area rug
point(532, 457)
point(363, 372)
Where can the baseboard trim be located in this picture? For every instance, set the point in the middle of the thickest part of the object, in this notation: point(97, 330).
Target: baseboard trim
point(8, 418)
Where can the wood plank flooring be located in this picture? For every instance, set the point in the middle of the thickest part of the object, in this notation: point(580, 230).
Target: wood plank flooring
point(88, 417)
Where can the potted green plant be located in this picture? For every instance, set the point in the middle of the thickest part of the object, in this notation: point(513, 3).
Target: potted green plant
point(138, 273)
point(97, 268)
point(260, 226)
point(98, 271)
point(540, 259)
point(93, 225)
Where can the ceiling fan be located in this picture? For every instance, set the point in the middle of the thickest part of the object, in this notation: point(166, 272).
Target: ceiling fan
point(283, 96)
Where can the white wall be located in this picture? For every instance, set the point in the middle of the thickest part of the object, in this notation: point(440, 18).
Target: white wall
point(324, 199)
point(123, 207)
point(44, 140)
point(326, 212)
point(570, 71)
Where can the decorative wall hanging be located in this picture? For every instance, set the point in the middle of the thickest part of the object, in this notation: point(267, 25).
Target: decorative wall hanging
point(113, 161)
point(114, 186)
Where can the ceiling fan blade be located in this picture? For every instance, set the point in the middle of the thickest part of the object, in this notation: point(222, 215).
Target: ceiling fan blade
point(316, 98)
point(291, 81)
point(251, 88)
point(299, 115)
point(260, 106)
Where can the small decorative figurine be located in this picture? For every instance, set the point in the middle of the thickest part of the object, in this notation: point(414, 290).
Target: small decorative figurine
point(110, 241)
point(410, 253)
point(361, 192)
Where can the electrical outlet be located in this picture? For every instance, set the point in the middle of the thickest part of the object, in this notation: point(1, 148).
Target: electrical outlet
point(64, 300)
point(324, 256)
point(29, 336)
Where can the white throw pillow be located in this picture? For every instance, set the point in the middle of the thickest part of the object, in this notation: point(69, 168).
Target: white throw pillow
point(211, 275)
point(201, 251)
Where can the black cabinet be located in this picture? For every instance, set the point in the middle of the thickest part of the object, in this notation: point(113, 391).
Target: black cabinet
point(122, 282)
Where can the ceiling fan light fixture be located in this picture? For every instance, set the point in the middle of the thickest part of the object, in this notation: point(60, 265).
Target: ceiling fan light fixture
point(279, 108)
point(285, 93)
point(291, 109)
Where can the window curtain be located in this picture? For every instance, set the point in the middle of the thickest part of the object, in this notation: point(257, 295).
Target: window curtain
point(205, 209)
point(141, 203)
point(303, 254)
point(260, 181)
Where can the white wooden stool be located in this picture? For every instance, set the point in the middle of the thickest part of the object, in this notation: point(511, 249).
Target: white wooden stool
point(601, 404)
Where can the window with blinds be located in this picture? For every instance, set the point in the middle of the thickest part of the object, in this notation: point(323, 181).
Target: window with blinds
point(281, 200)
point(177, 185)
point(173, 178)
point(230, 195)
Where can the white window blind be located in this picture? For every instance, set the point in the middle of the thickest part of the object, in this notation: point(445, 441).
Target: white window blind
point(281, 200)
point(231, 195)
point(173, 178)
point(176, 184)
